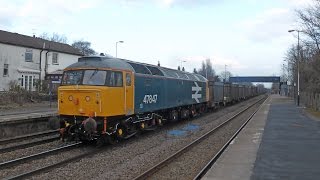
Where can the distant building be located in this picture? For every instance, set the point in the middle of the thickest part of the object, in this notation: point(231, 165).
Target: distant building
point(27, 59)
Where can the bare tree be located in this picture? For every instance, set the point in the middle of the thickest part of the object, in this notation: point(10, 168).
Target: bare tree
point(55, 37)
point(307, 55)
point(207, 70)
point(225, 76)
point(84, 47)
point(310, 24)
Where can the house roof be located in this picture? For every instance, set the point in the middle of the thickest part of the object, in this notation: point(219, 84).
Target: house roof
point(35, 42)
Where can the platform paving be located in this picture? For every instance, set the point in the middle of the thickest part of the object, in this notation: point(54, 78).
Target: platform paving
point(280, 142)
point(28, 112)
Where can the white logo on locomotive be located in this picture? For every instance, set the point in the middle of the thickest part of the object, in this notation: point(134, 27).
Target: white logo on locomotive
point(196, 94)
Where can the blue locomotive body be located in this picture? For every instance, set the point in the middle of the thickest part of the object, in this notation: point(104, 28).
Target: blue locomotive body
point(154, 93)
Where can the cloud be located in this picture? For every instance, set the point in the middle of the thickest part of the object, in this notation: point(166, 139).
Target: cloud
point(167, 3)
point(185, 3)
point(36, 13)
point(269, 25)
point(299, 3)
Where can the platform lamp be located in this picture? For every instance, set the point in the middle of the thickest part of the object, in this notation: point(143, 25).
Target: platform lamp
point(117, 47)
point(298, 48)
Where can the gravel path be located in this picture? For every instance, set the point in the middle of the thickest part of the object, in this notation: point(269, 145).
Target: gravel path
point(130, 158)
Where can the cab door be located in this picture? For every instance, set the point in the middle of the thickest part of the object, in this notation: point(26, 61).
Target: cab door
point(129, 82)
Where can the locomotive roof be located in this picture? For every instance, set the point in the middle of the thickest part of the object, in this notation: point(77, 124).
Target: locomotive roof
point(139, 68)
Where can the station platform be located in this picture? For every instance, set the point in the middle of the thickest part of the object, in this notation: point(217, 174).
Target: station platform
point(280, 142)
point(39, 110)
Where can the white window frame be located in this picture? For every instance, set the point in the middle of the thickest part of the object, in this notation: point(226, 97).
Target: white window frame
point(28, 51)
point(55, 61)
point(5, 68)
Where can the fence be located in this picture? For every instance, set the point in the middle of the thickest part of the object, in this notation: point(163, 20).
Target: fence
point(311, 100)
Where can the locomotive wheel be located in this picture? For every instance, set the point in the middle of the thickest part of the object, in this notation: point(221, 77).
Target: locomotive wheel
point(101, 141)
point(120, 132)
point(159, 121)
point(142, 125)
point(174, 115)
point(111, 139)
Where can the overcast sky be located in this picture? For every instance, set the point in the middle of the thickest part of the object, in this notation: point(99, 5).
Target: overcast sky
point(249, 36)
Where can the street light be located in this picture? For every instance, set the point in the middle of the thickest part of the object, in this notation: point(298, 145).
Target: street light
point(117, 47)
point(182, 61)
point(292, 30)
point(225, 73)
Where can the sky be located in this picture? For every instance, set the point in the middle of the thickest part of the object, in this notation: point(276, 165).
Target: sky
point(250, 37)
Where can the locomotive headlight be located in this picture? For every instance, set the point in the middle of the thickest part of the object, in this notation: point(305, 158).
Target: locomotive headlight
point(87, 98)
point(70, 98)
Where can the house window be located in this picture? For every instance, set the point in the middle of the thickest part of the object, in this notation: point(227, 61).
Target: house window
point(30, 83)
point(22, 80)
point(28, 55)
point(26, 82)
point(55, 58)
point(6, 70)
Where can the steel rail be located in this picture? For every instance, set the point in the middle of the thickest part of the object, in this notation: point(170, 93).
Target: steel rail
point(20, 138)
point(49, 167)
point(166, 161)
point(30, 144)
point(37, 155)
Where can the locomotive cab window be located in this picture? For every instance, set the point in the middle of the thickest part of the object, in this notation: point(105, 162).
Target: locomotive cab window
point(128, 79)
point(94, 77)
point(72, 77)
point(114, 79)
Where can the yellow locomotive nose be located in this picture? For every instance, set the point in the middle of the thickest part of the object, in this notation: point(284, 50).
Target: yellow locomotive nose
point(81, 101)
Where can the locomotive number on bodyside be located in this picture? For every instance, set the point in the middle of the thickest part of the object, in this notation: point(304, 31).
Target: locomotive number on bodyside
point(149, 99)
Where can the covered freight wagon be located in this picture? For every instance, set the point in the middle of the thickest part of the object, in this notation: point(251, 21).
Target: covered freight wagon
point(216, 94)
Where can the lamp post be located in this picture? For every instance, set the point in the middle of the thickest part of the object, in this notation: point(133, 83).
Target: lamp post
point(225, 73)
point(298, 48)
point(117, 47)
point(182, 61)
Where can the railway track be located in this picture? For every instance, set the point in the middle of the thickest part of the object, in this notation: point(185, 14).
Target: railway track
point(29, 136)
point(12, 144)
point(182, 153)
point(26, 159)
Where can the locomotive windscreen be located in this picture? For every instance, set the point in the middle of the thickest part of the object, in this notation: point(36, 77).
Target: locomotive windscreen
point(93, 77)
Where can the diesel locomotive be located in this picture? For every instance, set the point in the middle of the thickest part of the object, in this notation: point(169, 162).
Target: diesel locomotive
point(105, 99)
